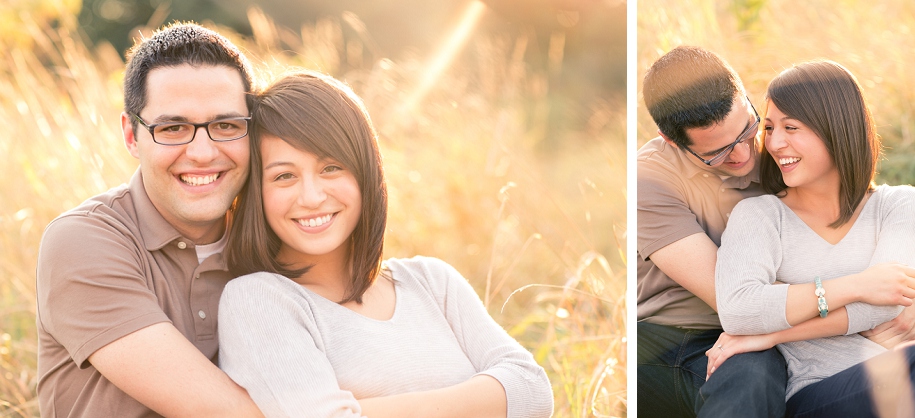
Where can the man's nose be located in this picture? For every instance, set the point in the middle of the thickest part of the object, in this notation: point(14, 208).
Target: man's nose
point(201, 148)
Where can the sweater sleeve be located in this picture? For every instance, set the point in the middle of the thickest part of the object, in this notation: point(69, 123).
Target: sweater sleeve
point(749, 301)
point(270, 345)
point(490, 349)
point(895, 243)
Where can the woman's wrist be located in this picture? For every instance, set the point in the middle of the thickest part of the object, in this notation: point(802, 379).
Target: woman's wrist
point(777, 338)
point(844, 290)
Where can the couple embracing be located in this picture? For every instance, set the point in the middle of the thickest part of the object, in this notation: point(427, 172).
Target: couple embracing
point(250, 238)
point(802, 305)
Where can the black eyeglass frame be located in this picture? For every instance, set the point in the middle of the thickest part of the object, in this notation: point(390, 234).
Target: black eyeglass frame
point(745, 135)
point(204, 125)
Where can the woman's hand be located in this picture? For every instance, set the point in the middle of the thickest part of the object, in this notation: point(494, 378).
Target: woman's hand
point(729, 345)
point(886, 284)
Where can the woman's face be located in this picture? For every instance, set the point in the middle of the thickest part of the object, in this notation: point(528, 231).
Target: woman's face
point(312, 204)
point(800, 154)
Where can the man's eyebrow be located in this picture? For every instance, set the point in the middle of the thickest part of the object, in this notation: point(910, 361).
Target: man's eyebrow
point(166, 118)
point(716, 151)
point(169, 118)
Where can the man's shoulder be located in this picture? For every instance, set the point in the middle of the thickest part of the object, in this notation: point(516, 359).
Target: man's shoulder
point(115, 199)
point(659, 160)
point(654, 152)
point(112, 210)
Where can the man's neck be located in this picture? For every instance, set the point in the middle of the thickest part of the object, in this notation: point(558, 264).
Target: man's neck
point(203, 234)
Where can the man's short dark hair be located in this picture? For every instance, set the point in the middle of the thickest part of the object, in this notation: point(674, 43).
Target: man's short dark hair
point(689, 87)
point(174, 45)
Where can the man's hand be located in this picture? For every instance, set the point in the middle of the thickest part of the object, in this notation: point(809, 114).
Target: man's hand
point(891, 333)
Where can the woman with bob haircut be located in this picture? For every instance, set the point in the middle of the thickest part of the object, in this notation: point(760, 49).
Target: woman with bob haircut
point(318, 325)
point(824, 256)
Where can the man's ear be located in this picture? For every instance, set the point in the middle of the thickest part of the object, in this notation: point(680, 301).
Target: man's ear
point(666, 139)
point(130, 141)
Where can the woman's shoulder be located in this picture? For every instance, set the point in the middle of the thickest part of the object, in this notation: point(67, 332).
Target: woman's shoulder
point(260, 283)
point(265, 294)
point(419, 264)
point(894, 201)
point(764, 200)
point(431, 273)
point(766, 205)
point(894, 194)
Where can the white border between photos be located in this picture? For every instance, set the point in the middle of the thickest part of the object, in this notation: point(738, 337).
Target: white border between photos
point(631, 224)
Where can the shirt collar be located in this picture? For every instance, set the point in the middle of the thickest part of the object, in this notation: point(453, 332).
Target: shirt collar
point(156, 231)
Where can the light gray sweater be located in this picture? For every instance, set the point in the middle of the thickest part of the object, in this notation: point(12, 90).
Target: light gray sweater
point(765, 241)
point(301, 355)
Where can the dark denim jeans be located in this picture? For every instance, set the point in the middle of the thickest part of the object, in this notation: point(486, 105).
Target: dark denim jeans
point(671, 377)
point(854, 392)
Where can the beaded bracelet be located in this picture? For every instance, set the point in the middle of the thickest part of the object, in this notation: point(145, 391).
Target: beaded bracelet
point(821, 297)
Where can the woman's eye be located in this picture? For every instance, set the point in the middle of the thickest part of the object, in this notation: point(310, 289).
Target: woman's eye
point(332, 168)
point(284, 176)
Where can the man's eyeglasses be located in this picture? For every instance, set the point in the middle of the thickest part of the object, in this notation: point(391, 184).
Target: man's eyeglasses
point(750, 132)
point(180, 133)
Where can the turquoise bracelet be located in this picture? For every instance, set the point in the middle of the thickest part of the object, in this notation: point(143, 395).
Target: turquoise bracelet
point(821, 297)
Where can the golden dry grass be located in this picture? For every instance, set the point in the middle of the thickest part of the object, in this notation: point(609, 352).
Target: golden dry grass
point(760, 38)
point(538, 234)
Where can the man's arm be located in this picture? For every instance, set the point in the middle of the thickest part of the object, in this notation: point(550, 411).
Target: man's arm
point(690, 262)
point(161, 369)
point(894, 332)
point(902, 328)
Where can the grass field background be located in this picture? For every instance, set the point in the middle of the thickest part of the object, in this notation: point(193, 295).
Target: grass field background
point(536, 224)
point(760, 38)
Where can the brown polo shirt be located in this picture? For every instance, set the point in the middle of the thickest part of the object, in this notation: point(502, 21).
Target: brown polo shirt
point(677, 199)
point(107, 268)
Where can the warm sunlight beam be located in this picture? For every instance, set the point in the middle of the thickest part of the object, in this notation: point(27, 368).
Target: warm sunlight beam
point(446, 54)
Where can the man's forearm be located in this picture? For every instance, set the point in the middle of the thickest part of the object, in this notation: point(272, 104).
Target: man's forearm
point(690, 262)
point(161, 369)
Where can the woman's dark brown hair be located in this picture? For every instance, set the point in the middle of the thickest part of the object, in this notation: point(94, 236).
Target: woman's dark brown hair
point(827, 98)
point(320, 115)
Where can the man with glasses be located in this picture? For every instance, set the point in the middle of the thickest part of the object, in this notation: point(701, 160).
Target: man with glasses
point(129, 281)
point(689, 179)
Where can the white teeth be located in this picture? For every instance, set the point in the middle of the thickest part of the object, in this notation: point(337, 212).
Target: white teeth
point(786, 161)
point(198, 180)
point(315, 222)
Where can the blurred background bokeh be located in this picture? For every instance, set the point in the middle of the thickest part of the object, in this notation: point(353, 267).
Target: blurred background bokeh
point(760, 38)
point(502, 125)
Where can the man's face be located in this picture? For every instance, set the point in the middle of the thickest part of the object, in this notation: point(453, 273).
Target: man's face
point(709, 141)
point(191, 185)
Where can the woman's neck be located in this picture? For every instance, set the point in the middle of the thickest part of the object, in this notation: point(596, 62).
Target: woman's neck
point(328, 275)
point(819, 208)
point(821, 201)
